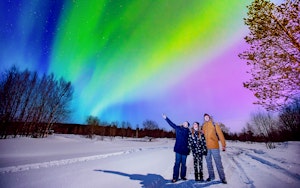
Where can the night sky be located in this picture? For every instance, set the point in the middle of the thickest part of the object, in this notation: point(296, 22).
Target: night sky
point(132, 60)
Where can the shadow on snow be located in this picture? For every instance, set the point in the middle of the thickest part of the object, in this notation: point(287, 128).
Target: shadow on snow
point(157, 181)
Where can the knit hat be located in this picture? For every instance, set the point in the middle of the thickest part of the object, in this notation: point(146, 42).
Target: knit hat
point(188, 123)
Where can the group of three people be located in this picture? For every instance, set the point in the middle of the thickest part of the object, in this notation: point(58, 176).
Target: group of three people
point(203, 142)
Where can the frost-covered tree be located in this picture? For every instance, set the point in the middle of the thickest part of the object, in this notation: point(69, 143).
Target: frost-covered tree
point(265, 125)
point(274, 53)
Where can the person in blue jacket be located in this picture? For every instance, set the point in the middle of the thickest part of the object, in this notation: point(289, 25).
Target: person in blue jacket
point(181, 148)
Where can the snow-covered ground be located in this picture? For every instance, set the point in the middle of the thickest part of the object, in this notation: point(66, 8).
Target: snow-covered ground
point(75, 161)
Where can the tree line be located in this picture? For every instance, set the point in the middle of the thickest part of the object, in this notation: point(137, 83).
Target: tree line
point(270, 128)
point(112, 130)
point(124, 129)
point(30, 104)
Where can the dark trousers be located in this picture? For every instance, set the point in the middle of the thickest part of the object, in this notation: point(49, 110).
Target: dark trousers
point(198, 165)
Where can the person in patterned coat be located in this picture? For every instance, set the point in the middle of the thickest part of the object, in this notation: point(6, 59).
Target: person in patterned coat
point(197, 145)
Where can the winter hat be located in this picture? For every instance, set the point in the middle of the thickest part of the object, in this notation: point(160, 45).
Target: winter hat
point(198, 124)
point(188, 123)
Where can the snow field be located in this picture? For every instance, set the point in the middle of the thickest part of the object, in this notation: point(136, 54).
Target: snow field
point(75, 161)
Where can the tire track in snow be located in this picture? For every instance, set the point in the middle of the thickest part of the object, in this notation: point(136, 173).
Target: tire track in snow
point(252, 154)
point(242, 172)
point(20, 168)
point(275, 166)
point(25, 167)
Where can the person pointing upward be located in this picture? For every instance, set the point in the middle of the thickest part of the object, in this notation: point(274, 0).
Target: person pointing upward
point(181, 148)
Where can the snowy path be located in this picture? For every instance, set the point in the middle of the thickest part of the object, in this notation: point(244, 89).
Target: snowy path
point(133, 163)
point(253, 164)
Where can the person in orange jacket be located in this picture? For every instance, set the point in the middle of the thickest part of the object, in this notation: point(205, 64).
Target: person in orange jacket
point(213, 134)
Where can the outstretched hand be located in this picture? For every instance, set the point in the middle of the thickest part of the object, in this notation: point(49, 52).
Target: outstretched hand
point(164, 116)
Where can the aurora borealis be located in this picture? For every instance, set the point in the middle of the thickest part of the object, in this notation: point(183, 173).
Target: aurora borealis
point(131, 60)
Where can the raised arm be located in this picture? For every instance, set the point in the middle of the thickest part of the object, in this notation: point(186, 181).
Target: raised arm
point(173, 125)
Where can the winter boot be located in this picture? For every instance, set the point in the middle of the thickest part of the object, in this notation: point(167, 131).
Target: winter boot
point(196, 176)
point(201, 176)
point(224, 181)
